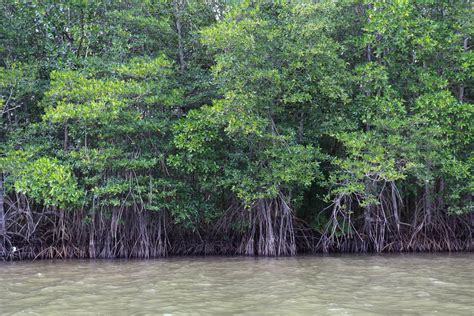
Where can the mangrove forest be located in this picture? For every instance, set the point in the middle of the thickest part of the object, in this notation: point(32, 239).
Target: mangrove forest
point(150, 128)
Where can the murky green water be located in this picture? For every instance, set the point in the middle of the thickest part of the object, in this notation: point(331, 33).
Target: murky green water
point(322, 285)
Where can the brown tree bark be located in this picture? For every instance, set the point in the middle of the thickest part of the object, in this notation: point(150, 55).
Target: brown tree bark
point(3, 231)
point(461, 87)
point(178, 7)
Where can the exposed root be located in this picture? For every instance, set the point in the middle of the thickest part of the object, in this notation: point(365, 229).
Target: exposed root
point(379, 227)
point(268, 227)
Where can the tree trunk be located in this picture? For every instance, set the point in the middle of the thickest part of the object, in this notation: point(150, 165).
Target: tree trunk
point(3, 231)
point(461, 87)
point(395, 206)
point(301, 128)
point(428, 203)
point(66, 133)
point(178, 6)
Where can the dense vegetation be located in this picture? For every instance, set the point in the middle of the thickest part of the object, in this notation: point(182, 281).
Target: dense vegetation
point(147, 128)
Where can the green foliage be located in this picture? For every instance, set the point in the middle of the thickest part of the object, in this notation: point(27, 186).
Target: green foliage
point(187, 107)
point(45, 179)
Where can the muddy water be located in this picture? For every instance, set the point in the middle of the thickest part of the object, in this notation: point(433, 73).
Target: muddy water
point(323, 285)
